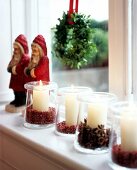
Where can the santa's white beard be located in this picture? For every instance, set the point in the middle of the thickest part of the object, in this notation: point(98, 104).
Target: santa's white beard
point(16, 57)
point(15, 60)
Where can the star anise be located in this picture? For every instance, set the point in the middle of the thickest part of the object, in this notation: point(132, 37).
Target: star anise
point(93, 138)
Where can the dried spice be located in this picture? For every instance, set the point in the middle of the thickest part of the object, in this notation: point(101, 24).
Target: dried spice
point(35, 117)
point(124, 158)
point(63, 128)
point(93, 138)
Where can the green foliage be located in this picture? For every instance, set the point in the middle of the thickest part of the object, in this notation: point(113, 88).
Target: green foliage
point(100, 38)
point(73, 43)
point(103, 25)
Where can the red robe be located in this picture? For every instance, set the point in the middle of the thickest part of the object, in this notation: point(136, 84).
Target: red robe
point(17, 81)
point(41, 71)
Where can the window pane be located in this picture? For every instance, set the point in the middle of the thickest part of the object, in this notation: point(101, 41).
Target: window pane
point(95, 73)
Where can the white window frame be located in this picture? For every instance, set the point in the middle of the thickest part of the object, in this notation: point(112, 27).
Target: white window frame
point(134, 46)
point(32, 19)
point(120, 53)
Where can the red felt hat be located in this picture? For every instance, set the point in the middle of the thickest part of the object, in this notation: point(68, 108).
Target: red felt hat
point(21, 41)
point(40, 40)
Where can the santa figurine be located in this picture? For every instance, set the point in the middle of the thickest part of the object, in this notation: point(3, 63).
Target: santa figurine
point(38, 68)
point(20, 59)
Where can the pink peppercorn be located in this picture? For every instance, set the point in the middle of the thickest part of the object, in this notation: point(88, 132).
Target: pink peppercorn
point(63, 128)
point(36, 117)
point(124, 158)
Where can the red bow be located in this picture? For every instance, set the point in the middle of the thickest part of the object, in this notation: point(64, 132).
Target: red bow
point(71, 10)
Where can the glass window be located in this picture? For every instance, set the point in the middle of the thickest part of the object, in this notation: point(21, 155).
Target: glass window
point(95, 73)
point(119, 46)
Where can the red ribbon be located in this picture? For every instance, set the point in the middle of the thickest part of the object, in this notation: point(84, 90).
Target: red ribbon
point(76, 6)
point(71, 6)
point(71, 9)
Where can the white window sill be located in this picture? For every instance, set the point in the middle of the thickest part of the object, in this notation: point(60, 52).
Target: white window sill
point(42, 149)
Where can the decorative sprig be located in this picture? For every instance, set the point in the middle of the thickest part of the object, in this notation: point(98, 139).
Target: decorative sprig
point(73, 43)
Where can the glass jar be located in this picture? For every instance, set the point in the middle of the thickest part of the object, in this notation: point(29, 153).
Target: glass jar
point(93, 129)
point(68, 107)
point(41, 104)
point(123, 140)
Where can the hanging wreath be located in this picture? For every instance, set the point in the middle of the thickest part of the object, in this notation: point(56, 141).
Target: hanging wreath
point(73, 43)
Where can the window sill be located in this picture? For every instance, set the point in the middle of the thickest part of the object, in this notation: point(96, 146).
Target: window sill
point(41, 149)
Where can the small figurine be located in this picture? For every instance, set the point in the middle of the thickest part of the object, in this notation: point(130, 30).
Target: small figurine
point(38, 68)
point(16, 66)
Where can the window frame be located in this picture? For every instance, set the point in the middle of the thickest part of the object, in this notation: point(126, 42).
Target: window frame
point(134, 46)
point(120, 48)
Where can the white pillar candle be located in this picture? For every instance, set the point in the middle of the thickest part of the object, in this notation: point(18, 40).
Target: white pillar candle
point(71, 109)
point(97, 114)
point(41, 98)
point(128, 125)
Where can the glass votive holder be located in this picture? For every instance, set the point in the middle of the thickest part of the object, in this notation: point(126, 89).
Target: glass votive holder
point(68, 106)
point(93, 129)
point(41, 104)
point(123, 139)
